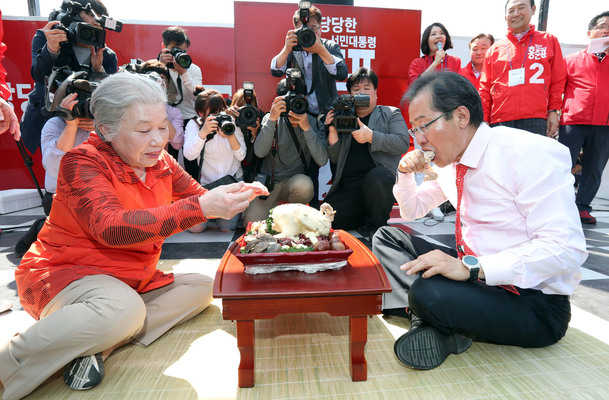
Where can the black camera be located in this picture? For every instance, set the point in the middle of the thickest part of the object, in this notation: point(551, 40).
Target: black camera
point(345, 118)
point(266, 181)
point(181, 57)
point(225, 122)
point(81, 83)
point(295, 99)
point(306, 36)
point(80, 32)
point(248, 114)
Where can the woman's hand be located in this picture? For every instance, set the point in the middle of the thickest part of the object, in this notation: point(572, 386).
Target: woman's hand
point(226, 201)
point(210, 125)
point(440, 54)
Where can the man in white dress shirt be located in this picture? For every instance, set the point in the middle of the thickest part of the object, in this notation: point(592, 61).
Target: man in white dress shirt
point(519, 228)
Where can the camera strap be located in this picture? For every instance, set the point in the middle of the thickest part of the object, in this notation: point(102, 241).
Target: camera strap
point(295, 139)
point(196, 119)
point(179, 88)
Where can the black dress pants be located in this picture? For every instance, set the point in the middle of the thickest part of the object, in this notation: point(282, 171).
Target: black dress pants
point(485, 313)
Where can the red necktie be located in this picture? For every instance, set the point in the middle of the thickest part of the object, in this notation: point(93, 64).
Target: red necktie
point(462, 247)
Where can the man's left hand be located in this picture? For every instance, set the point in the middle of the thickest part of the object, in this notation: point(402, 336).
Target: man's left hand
point(553, 121)
point(437, 262)
point(97, 59)
point(301, 119)
point(363, 134)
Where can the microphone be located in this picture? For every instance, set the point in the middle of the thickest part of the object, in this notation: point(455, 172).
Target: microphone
point(439, 45)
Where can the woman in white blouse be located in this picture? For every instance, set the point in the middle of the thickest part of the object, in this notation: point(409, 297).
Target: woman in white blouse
point(222, 152)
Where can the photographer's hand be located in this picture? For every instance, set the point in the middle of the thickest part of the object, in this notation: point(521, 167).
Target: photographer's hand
point(67, 139)
point(277, 108)
point(301, 119)
point(54, 36)
point(165, 56)
point(321, 50)
point(210, 125)
point(332, 132)
point(363, 134)
point(97, 59)
point(254, 129)
point(8, 120)
point(233, 111)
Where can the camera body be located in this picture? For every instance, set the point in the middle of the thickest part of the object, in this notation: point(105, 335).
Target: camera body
point(248, 114)
point(225, 122)
point(82, 84)
point(345, 118)
point(266, 181)
point(78, 31)
point(295, 99)
point(181, 57)
point(306, 36)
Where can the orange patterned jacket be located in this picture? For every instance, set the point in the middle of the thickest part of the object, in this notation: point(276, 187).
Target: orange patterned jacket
point(105, 220)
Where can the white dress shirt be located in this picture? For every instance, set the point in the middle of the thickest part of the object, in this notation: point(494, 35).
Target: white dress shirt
point(219, 158)
point(190, 79)
point(518, 208)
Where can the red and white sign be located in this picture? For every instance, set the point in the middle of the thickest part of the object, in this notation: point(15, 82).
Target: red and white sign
point(230, 56)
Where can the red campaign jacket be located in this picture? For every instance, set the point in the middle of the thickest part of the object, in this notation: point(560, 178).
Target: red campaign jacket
point(586, 99)
point(420, 65)
point(545, 77)
point(104, 220)
point(5, 92)
point(468, 72)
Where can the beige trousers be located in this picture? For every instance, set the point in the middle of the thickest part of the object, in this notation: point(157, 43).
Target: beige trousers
point(91, 315)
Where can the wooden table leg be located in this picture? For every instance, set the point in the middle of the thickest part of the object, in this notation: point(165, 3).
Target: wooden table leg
point(358, 335)
point(245, 343)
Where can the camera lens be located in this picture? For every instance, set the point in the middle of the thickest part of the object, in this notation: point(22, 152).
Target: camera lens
point(306, 37)
point(298, 105)
point(227, 127)
point(184, 60)
point(248, 116)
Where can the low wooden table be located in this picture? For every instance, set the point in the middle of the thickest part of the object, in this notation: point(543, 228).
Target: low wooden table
point(354, 291)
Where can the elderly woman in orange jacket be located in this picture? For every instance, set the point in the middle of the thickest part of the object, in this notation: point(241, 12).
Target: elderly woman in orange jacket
point(91, 279)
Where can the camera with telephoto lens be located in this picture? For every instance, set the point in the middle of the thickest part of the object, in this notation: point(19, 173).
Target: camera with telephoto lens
point(181, 57)
point(345, 118)
point(79, 31)
point(225, 122)
point(81, 83)
point(248, 114)
point(306, 36)
point(295, 99)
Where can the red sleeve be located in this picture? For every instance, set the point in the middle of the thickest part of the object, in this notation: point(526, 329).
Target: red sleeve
point(86, 186)
point(558, 79)
point(484, 86)
point(4, 90)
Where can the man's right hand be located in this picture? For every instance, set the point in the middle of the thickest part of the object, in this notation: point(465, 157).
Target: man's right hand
point(291, 40)
point(54, 36)
point(412, 162)
point(8, 120)
point(277, 108)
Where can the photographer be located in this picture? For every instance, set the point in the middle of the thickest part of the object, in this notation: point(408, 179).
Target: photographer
point(250, 162)
point(184, 77)
point(287, 142)
point(219, 144)
point(322, 64)
point(50, 49)
point(174, 115)
point(366, 159)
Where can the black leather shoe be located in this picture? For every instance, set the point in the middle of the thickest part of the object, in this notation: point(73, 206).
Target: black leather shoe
point(424, 347)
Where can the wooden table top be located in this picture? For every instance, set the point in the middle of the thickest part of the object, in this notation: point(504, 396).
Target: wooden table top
point(363, 274)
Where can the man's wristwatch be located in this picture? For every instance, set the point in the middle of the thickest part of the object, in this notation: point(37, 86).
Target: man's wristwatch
point(473, 265)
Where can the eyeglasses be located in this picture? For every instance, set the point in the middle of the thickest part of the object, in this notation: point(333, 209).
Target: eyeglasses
point(603, 27)
point(422, 129)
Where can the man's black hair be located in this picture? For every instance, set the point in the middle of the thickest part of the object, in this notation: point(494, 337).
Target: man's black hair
point(506, 3)
point(448, 90)
point(362, 74)
point(175, 34)
point(282, 87)
point(594, 20)
point(425, 38)
point(97, 6)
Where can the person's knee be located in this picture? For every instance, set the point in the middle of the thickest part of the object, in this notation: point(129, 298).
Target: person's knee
point(120, 308)
point(200, 289)
point(301, 189)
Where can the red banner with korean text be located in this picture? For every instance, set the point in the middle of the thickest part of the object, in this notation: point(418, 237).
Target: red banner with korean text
point(385, 40)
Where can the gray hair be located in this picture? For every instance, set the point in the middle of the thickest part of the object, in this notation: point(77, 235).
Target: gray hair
point(115, 94)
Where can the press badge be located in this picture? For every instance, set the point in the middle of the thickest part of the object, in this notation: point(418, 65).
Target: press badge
point(516, 77)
